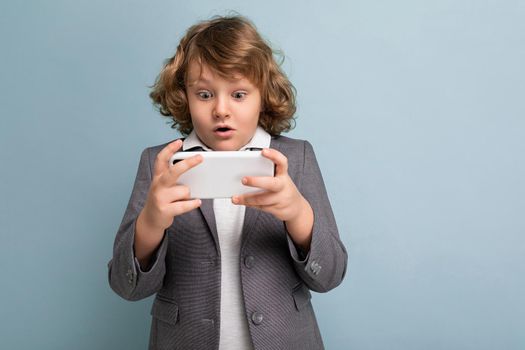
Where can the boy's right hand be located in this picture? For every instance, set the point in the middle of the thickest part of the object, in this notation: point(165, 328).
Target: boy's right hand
point(165, 198)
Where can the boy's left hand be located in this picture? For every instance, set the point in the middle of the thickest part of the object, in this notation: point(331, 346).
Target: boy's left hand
point(281, 198)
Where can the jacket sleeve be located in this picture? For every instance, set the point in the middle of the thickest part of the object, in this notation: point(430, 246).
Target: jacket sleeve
point(324, 266)
point(125, 275)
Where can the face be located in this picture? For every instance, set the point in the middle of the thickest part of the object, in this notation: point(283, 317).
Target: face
point(224, 113)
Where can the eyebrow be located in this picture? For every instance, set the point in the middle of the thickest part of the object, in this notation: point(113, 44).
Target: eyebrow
point(196, 82)
point(204, 80)
point(243, 85)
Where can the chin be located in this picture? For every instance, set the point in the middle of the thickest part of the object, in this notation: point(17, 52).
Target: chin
point(226, 148)
point(228, 145)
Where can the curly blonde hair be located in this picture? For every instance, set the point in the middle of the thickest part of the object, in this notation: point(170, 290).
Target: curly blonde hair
point(228, 45)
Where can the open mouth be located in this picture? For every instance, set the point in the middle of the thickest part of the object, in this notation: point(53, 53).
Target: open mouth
point(223, 131)
point(222, 128)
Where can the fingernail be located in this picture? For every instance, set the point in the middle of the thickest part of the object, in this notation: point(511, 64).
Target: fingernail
point(244, 180)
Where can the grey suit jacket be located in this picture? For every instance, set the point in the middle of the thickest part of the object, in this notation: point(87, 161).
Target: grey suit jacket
point(185, 272)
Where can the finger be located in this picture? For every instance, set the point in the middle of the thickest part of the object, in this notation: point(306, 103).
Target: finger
point(268, 183)
point(174, 171)
point(179, 192)
point(163, 195)
point(181, 207)
point(280, 160)
point(257, 199)
point(163, 157)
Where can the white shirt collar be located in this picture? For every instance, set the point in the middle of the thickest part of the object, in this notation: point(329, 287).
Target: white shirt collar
point(260, 139)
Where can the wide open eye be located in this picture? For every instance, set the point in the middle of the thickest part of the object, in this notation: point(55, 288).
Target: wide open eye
point(204, 95)
point(239, 95)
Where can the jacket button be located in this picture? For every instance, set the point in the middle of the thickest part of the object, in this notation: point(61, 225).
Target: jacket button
point(249, 261)
point(257, 318)
point(315, 267)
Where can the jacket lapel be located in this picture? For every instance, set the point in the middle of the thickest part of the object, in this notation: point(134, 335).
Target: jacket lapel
point(206, 209)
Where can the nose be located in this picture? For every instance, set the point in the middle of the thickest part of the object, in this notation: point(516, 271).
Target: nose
point(222, 108)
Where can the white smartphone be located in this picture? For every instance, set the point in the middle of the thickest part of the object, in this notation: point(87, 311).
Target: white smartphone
point(220, 173)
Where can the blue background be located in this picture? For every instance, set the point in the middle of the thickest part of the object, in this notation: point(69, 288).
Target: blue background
point(416, 113)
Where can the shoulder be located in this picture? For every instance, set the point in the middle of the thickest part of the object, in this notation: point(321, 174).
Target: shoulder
point(291, 146)
point(287, 142)
point(298, 152)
